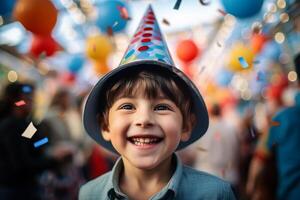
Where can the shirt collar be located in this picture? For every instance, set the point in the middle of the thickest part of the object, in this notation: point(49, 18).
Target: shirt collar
point(172, 185)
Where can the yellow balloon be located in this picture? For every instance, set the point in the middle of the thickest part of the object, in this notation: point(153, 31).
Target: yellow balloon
point(98, 47)
point(241, 58)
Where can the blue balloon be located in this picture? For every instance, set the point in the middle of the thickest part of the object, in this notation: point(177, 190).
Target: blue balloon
point(224, 77)
point(109, 15)
point(76, 64)
point(6, 7)
point(242, 9)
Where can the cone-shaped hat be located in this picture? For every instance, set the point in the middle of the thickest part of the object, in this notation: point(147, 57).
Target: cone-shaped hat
point(146, 51)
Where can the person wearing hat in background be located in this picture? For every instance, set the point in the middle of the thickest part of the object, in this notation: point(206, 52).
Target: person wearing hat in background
point(145, 110)
point(281, 142)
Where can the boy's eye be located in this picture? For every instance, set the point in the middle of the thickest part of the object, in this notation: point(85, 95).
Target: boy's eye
point(126, 107)
point(162, 107)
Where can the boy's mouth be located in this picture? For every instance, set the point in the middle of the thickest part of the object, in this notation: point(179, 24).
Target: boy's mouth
point(144, 140)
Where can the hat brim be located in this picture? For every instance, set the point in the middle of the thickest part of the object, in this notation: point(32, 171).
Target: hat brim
point(94, 105)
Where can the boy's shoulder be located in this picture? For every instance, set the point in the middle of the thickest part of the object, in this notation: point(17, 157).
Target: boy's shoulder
point(100, 185)
point(202, 184)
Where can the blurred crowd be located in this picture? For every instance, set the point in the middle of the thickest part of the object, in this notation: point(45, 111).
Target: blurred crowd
point(236, 146)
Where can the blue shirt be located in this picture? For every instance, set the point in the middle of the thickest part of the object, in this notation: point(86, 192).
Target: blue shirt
point(285, 140)
point(185, 183)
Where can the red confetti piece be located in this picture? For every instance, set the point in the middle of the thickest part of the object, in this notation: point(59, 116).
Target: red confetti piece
point(166, 22)
point(275, 123)
point(143, 48)
point(222, 12)
point(110, 31)
point(123, 12)
point(20, 103)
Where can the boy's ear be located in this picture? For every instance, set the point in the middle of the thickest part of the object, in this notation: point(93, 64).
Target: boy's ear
point(187, 129)
point(105, 134)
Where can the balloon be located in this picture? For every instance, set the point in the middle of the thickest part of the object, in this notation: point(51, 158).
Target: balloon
point(257, 42)
point(240, 52)
point(43, 44)
point(76, 64)
point(242, 9)
point(224, 77)
point(187, 50)
point(101, 68)
point(37, 16)
point(6, 7)
point(110, 14)
point(98, 48)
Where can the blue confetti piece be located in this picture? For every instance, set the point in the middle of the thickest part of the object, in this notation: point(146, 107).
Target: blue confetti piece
point(26, 89)
point(177, 5)
point(40, 142)
point(243, 62)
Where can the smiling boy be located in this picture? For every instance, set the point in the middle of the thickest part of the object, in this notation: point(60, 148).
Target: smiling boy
point(145, 110)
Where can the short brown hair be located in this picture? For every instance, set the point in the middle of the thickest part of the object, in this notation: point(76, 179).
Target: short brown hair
point(154, 84)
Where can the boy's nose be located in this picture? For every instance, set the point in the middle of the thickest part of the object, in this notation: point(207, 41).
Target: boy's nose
point(144, 119)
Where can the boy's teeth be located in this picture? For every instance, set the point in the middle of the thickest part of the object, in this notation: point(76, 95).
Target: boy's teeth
point(143, 141)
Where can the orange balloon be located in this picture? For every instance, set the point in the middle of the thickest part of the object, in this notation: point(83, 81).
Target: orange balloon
point(257, 42)
point(187, 50)
point(37, 16)
point(101, 68)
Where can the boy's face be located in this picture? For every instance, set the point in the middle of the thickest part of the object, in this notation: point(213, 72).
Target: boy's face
point(145, 132)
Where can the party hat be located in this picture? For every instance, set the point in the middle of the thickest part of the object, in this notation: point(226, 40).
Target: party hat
point(146, 51)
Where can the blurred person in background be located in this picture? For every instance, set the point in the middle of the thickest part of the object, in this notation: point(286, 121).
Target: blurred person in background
point(283, 142)
point(20, 162)
point(217, 151)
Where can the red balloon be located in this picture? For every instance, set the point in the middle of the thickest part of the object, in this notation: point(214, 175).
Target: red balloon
point(187, 51)
point(43, 44)
point(37, 16)
point(257, 42)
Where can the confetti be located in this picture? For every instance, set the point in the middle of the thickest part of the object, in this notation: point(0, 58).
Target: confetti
point(275, 123)
point(40, 142)
point(166, 22)
point(217, 136)
point(222, 12)
point(252, 132)
point(202, 69)
point(123, 12)
point(177, 5)
point(243, 62)
point(110, 31)
point(115, 24)
point(256, 62)
point(20, 103)
point(30, 131)
point(201, 149)
point(261, 76)
point(26, 89)
point(204, 3)
point(218, 43)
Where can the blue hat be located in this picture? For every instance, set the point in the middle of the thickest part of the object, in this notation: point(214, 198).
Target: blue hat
point(147, 51)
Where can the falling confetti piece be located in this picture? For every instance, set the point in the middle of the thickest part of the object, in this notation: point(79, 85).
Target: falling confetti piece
point(204, 3)
point(222, 12)
point(261, 76)
point(201, 149)
point(20, 103)
point(177, 5)
point(202, 69)
point(40, 142)
point(110, 31)
point(274, 123)
point(218, 43)
point(256, 62)
point(123, 12)
point(217, 136)
point(30, 131)
point(115, 24)
point(243, 62)
point(166, 22)
point(252, 132)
